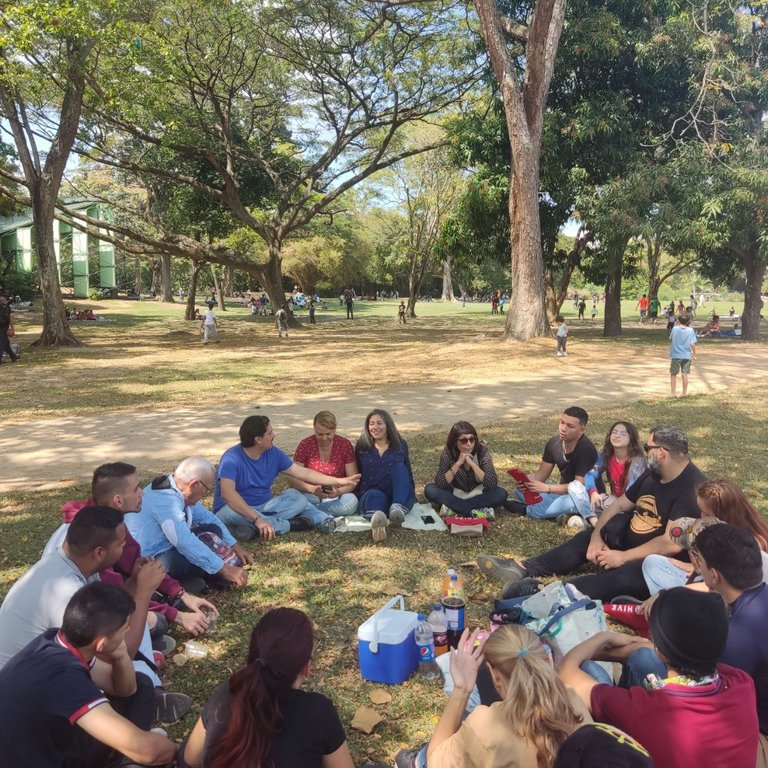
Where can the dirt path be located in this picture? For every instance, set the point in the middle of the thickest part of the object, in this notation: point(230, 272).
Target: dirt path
point(61, 451)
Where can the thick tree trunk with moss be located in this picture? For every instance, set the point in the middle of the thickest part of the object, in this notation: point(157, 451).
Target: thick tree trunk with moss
point(166, 288)
point(271, 276)
point(615, 261)
point(194, 273)
point(447, 294)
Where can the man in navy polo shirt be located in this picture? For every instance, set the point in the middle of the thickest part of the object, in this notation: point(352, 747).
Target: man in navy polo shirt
point(54, 706)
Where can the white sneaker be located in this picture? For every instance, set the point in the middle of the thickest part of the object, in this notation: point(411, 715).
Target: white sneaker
point(559, 353)
point(379, 525)
point(576, 522)
point(565, 354)
point(396, 515)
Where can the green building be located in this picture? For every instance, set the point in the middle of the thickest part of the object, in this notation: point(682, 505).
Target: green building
point(84, 261)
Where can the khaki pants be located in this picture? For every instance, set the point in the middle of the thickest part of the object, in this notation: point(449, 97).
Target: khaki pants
point(762, 751)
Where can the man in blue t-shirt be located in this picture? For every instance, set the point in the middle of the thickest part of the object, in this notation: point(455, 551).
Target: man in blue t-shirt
point(71, 696)
point(243, 498)
point(682, 349)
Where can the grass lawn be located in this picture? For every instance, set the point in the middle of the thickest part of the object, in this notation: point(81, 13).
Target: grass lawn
point(147, 355)
point(340, 580)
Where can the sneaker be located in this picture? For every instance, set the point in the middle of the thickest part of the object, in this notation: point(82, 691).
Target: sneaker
point(171, 707)
point(559, 354)
point(562, 520)
point(516, 507)
point(328, 525)
point(522, 588)
point(167, 645)
point(194, 585)
point(445, 511)
point(565, 354)
point(158, 659)
point(397, 514)
point(379, 525)
point(501, 569)
point(298, 524)
point(576, 522)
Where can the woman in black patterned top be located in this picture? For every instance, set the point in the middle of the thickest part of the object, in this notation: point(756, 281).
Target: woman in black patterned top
point(466, 479)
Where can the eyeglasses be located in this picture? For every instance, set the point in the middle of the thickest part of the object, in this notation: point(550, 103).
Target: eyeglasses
point(647, 448)
point(466, 440)
point(204, 485)
point(619, 433)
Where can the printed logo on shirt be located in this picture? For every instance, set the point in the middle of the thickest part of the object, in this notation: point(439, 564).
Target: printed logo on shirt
point(646, 518)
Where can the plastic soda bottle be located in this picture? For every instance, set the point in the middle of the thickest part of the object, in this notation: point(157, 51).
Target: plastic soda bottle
point(428, 668)
point(454, 604)
point(439, 623)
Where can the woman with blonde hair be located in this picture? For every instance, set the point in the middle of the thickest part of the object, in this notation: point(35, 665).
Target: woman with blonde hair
point(525, 729)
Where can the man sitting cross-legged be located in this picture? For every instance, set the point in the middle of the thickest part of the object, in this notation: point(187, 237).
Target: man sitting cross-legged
point(628, 530)
point(71, 698)
point(171, 519)
point(118, 485)
point(243, 499)
point(701, 713)
point(573, 453)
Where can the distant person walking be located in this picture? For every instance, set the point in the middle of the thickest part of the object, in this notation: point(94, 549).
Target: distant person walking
point(654, 305)
point(682, 350)
point(312, 320)
point(642, 305)
point(5, 327)
point(210, 326)
point(281, 321)
point(562, 336)
point(582, 308)
point(401, 314)
point(349, 300)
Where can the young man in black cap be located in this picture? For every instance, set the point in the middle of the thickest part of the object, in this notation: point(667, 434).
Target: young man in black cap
point(703, 713)
point(597, 745)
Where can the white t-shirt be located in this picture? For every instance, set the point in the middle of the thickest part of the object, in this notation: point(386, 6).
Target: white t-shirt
point(209, 318)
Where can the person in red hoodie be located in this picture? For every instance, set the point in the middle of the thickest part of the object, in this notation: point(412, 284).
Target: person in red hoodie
point(118, 485)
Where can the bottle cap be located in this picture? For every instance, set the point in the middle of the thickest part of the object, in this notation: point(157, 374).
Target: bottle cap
point(437, 606)
point(421, 617)
point(454, 577)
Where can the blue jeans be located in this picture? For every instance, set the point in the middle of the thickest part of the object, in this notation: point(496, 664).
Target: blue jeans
point(400, 491)
point(641, 663)
point(659, 573)
point(575, 502)
point(278, 512)
point(178, 567)
point(341, 506)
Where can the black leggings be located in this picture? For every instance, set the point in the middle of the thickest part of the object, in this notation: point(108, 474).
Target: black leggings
point(493, 497)
point(603, 585)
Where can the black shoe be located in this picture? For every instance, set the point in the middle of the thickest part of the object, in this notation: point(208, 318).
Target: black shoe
point(194, 585)
point(501, 569)
point(172, 706)
point(515, 507)
point(300, 524)
point(521, 588)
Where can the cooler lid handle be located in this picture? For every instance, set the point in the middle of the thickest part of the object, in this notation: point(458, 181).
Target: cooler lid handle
point(373, 646)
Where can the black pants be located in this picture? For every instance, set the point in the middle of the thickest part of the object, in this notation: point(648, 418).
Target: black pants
point(493, 497)
point(603, 585)
point(86, 752)
point(350, 312)
point(5, 345)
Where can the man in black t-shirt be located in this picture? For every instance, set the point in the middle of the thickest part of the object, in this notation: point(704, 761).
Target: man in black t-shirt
point(54, 708)
point(634, 526)
point(573, 453)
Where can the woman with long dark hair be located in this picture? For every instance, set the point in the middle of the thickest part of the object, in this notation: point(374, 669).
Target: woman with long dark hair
point(621, 461)
point(386, 484)
point(261, 718)
point(466, 479)
point(722, 499)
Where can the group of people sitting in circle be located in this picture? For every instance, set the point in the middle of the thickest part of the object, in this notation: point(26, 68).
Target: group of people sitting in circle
point(83, 632)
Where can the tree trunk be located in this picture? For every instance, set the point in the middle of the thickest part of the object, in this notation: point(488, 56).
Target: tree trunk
point(615, 259)
point(194, 272)
point(527, 315)
point(228, 281)
point(217, 286)
point(165, 278)
point(447, 281)
point(271, 277)
point(653, 256)
point(56, 330)
point(137, 279)
point(154, 287)
point(755, 271)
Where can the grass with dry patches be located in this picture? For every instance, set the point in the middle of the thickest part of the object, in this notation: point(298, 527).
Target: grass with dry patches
point(340, 580)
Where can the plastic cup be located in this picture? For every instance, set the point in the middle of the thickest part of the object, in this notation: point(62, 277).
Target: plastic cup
point(195, 650)
point(213, 620)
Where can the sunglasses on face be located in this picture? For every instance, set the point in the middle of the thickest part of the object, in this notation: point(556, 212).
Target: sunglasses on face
point(648, 448)
point(466, 440)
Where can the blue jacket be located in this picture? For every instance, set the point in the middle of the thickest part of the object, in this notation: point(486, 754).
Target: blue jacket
point(636, 468)
point(165, 522)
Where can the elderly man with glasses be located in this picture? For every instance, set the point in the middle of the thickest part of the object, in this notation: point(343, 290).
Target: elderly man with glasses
point(632, 528)
point(172, 520)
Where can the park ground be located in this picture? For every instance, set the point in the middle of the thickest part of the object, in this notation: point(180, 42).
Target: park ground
point(143, 385)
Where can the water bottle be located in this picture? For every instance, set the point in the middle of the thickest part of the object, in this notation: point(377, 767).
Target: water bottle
point(439, 623)
point(428, 668)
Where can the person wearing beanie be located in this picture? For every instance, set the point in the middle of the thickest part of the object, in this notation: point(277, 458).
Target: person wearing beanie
point(702, 713)
point(597, 745)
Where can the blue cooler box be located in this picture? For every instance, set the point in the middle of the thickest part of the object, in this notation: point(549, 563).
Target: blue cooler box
point(387, 645)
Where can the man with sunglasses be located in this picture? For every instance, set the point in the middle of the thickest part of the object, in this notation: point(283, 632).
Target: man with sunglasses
point(172, 518)
point(632, 528)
